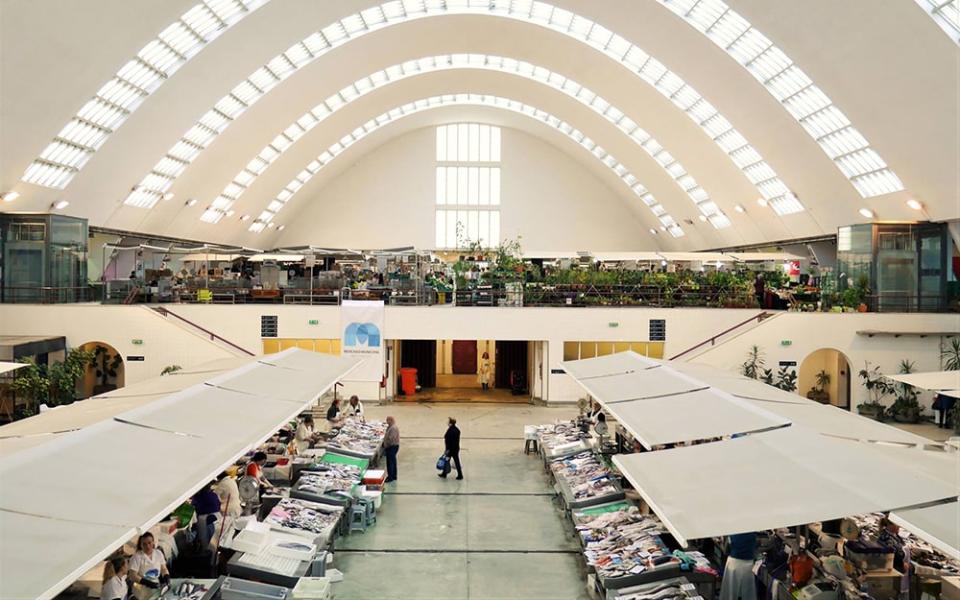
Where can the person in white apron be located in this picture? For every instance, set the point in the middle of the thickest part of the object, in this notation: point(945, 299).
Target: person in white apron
point(739, 582)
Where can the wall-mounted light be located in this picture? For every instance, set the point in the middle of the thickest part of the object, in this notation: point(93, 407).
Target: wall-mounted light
point(245, 218)
point(762, 202)
point(10, 196)
point(60, 205)
point(915, 204)
point(867, 213)
point(168, 196)
point(190, 202)
point(739, 208)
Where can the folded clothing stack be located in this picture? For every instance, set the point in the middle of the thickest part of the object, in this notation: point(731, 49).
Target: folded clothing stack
point(585, 475)
point(303, 515)
point(624, 543)
point(357, 436)
point(334, 478)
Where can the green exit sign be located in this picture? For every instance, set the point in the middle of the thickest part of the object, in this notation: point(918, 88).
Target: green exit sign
point(613, 324)
point(313, 322)
point(786, 342)
point(137, 342)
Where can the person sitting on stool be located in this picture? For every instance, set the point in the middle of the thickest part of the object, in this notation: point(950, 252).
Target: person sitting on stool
point(451, 440)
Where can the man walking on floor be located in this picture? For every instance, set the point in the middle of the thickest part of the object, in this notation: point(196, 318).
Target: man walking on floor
point(451, 440)
point(391, 445)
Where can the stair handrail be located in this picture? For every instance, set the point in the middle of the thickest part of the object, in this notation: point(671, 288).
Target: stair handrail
point(713, 340)
point(213, 336)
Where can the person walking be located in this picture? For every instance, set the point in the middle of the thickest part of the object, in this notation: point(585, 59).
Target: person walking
point(483, 375)
point(451, 442)
point(391, 446)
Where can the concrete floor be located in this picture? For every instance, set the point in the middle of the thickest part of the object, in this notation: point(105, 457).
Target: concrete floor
point(498, 534)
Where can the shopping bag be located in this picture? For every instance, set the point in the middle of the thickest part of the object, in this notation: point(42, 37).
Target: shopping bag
point(443, 462)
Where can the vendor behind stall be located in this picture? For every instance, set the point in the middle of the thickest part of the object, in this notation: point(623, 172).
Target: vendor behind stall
point(148, 566)
point(739, 582)
point(355, 409)
point(114, 579)
point(333, 413)
point(304, 433)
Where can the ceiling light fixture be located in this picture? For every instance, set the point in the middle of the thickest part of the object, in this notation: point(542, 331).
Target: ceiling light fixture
point(653, 231)
point(168, 196)
point(10, 196)
point(663, 228)
point(245, 218)
point(281, 228)
point(867, 213)
point(739, 208)
point(915, 204)
point(270, 225)
point(191, 202)
point(762, 201)
point(703, 218)
point(59, 205)
point(229, 213)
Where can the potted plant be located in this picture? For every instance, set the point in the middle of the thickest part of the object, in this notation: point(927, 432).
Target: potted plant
point(754, 364)
point(819, 391)
point(877, 388)
point(905, 409)
point(786, 379)
point(767, 376)
point(106, 364)
point(950, 360)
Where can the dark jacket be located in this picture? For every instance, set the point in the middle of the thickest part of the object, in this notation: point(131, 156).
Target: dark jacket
point(451, 439)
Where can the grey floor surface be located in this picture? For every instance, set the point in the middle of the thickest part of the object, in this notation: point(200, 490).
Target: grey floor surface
point(498, 534)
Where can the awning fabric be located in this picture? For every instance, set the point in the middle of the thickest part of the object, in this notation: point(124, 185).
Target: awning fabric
point(6, 367)
point(939, 525)
point(277, 258)
point(934, 381)
point(86, 492)
point(696, 256)
point(775, 479)
point(660, 405)
point(764, 256)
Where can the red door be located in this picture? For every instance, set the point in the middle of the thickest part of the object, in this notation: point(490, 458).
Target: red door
point(464, 357)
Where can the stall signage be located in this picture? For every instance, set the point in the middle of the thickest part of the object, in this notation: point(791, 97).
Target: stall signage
point(135, 358)
point(557, 372)
point(136, 342)
point(658, 330)
point(268, 326)
point(788, 363)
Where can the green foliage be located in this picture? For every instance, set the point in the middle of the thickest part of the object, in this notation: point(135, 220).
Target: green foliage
point(875, 383)
point(55, 384)
point(31, 383)
point(823, 380)
point(906, 408)
point(170, 369)
point(767, 376)
point(106, 364)
point(950, 354)
point(754, 364)
point(786, 379)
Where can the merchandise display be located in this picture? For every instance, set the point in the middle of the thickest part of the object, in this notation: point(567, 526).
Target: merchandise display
point(309, 518)
point(623, 542)
point(584, 480)
point(560, 439)
point(329, 478)
point(678, 588)
point(358, 438)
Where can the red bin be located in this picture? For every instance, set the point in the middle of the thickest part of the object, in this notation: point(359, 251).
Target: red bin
point(408, 381)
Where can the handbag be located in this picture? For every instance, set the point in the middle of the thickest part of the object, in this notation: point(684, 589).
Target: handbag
point(443, 463)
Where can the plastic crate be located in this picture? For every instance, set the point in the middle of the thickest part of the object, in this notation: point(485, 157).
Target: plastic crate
point(241, 589)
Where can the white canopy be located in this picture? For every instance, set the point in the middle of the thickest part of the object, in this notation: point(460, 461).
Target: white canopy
point(936, 381)
point(627, 256)
point(277, 258)
point(764, 256)
point(696, 256)
point(6, 367)
point(122, 475)
point(939, 525)
point(660, 405)
point(774, 479)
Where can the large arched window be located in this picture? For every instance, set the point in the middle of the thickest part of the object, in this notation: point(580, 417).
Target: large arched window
point(468, 185)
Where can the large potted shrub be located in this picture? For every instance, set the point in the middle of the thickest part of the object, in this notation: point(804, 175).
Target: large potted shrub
point(819, 391)
point(877, 388)
point(107, 365)
point(950, 359)
point(905, 409)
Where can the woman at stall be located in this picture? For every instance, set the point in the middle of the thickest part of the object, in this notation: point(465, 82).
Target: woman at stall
point(207, 504)
point(355, 408)
point(255, 469)
point(483, 374)
point(304, 433)
point(148, 565)
point(333, 413)
point(114, 579)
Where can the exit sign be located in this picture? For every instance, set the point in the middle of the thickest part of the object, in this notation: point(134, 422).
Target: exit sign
point(313, 322)
point(136, 342)
point(786, 342)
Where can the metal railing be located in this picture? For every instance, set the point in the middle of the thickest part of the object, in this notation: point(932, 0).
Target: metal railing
point(49, 295)
point(759, 318)
point(164, 312)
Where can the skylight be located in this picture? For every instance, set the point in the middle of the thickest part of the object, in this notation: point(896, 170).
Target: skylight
point(796, 91)
point(946, 13)
point(213, 214)
point(245, 178)
point(639, 63)
point(118, 98)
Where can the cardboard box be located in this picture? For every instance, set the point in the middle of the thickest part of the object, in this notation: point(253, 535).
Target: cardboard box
point(950, 588)
point(883, 585)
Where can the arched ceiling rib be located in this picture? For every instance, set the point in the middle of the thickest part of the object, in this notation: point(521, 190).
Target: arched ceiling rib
point(154, 185)
point(794, 90)
point(293, 132)
point(116, 100)
point(668, 223)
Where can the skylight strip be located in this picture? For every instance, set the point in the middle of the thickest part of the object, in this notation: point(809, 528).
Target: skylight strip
point(465, 99)
point(946, 14)
point(410, 68)
point(770, 65)
point(559, 20)
point(136, 80)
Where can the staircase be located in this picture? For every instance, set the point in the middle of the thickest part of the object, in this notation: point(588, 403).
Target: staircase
point(188, 324)
point(729, 333)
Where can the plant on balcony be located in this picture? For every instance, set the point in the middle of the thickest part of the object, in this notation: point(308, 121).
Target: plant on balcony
point(170, 369)
point(753, 366)
point(906, 408)
point(877, 388)
point(819, 391)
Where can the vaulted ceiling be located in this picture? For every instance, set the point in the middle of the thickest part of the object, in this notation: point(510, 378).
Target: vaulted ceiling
point(753, 120)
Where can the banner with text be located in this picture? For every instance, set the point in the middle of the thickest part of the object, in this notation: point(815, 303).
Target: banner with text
point(361, 336)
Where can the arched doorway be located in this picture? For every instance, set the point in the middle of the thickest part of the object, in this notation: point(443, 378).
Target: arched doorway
point(105, 374)
point(836, 367)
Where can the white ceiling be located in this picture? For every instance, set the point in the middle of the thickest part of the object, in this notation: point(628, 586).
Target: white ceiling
point(903, 97)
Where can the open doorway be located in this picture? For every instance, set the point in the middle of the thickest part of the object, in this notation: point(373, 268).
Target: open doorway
point(825, 376)
point(107, 372)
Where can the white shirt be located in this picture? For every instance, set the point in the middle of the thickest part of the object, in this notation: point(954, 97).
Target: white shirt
point(142, 564)
point(356, 411)
point(302, 436)
point(229, 494)
point(113, 589)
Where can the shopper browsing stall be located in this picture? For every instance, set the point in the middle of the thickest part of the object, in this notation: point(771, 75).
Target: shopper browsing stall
point(391, 446)
point(114, 579)
point(207, 505)
point(148, 566)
